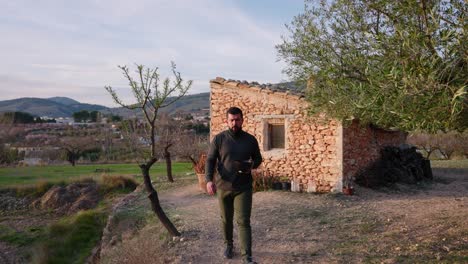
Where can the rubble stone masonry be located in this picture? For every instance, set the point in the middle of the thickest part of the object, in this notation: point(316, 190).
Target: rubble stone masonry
point(318, 152)
point(310, 157)
point(361, 145)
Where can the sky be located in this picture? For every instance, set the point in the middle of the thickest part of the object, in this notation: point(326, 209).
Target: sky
point(72, 48)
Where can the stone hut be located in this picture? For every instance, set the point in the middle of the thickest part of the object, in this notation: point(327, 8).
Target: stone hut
point(316, 153)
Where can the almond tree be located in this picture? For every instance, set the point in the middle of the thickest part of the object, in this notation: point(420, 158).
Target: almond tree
point(151, 95)
point(424, 142)
point(192, 146)
point(75, 146)
point(169, 133)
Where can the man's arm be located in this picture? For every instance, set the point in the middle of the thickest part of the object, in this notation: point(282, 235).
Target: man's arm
point(213, 154)
point(256, 155)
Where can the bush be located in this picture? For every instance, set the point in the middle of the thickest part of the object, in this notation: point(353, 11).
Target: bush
point(118, 183)
point(199, 166)
point(91, 154)
point(71, 239)
point(263, 180)
point(10, 156)
point(36, 190)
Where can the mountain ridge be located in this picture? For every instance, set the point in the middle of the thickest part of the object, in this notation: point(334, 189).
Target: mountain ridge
point(65, 107)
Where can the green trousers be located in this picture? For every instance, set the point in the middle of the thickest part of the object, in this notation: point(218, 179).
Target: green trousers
point(238, 204)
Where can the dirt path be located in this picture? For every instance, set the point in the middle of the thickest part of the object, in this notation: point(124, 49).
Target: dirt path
point(200, 225)
point(417, 224)
point(425, 223)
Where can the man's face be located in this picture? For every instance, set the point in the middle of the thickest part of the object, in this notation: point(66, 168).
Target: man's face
point(234, 122)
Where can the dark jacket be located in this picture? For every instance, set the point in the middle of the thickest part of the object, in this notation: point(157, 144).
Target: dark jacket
point(235, 155)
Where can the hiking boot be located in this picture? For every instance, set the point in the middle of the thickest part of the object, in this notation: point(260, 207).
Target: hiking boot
point(228, 253)
point(249, 260)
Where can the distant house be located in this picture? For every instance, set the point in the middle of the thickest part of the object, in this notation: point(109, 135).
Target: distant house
point(317, 153)
point(65, 120)
point(33, 161)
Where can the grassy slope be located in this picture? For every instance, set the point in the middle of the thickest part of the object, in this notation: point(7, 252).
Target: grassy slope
point(11, 177)
point(70, 239)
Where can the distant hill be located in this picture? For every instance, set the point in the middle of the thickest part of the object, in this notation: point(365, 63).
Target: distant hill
point(187, 104)
point(65, 107)
point(53, 107)
point(64, 100)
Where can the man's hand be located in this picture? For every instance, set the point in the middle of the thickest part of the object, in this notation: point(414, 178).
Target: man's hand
point(211, 188)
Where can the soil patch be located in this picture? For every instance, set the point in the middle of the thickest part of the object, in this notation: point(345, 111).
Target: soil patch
point(70, 199)
point(424, 223)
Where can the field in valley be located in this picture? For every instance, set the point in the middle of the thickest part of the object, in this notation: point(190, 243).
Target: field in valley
point(17, 176)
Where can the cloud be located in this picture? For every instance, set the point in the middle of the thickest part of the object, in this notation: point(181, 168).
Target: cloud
point(63, 48)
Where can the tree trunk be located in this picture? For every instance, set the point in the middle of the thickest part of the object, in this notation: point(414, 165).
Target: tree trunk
point(167, 156)
point(153, 197)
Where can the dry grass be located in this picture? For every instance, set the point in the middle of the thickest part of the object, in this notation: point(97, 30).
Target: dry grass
point(424, 223)
point(118, 183)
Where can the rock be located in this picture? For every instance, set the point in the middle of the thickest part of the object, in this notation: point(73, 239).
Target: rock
point(114, 241)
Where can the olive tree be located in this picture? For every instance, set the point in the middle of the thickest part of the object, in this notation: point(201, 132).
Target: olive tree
point(396, 64)
point(151, 95)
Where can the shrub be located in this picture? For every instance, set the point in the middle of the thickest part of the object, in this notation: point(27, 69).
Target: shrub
point(263, 180)
point(37, 189)
point(71, 239)
point(89, 180)
point(199, 166)
point(118, 183)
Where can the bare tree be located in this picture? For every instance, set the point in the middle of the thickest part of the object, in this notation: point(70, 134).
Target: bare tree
point(447, 144)
point(151, 95)
point(192, 146)
point(450, 143)
point(424, 142)
point(9, 134)
point(169, 135)
point(74, 147)
point(107, 142)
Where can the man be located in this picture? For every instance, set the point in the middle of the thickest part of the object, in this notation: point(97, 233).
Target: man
point(235, 152)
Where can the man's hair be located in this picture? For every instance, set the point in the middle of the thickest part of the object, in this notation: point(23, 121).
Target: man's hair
point(234, 111)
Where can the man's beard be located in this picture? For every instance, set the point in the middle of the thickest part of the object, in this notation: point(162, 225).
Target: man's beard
point(235, 130)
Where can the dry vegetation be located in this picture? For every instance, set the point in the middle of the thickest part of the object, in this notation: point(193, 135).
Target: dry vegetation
point(425, 223)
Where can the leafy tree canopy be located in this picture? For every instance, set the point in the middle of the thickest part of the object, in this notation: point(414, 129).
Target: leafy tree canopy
point(20, 118)
point(397, 64)
point(85, 116)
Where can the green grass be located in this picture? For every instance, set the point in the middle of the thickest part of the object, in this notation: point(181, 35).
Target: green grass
point(20, 238)
point(71, 239)
point(13, 177)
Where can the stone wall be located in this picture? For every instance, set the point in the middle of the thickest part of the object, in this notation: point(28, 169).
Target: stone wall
point(312, 156)
point(361, 145)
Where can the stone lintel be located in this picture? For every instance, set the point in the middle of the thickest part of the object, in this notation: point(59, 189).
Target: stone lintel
point(260, 117)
